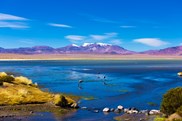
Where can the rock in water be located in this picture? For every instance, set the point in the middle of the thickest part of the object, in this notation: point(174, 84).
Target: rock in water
point(74, 105)
point(120, 107)
point(180, 74)
point(112, 110)
point(154, 112)
point(106, 110)
point(126, 110)
point(96, 111)
point(117, 111)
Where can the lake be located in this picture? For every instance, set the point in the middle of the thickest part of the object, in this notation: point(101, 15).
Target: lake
point(131, 83)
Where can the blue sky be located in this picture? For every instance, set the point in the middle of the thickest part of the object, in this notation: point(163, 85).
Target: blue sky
point(133, 24)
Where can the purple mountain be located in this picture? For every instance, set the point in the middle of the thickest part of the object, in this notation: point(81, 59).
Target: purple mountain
point(29, 50)
point(86, 48)
point(89, 48)
point(95, 48)
point(167, 51)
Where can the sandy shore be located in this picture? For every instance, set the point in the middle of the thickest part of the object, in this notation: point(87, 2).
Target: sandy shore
point(11, 57)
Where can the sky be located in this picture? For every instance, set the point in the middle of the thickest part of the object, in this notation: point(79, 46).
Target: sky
point(136, 25)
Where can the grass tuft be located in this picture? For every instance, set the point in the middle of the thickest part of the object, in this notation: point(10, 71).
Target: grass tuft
point(21, 90)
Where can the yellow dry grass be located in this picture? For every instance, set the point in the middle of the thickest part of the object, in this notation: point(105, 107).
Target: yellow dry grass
point(22, 91)
point(22, 94)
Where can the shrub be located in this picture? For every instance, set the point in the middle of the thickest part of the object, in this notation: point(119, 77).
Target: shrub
point(60, 100)
point(158, 118)
point(171, 101)
point(2, 74)
point(179, 111)
point(7, 78)
point(23, 80)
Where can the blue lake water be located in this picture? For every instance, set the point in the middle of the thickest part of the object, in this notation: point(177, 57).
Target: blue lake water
point(111, 83)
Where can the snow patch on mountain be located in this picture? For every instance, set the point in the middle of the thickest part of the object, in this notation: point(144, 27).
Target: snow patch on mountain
point(74, 45)
point(100, 44)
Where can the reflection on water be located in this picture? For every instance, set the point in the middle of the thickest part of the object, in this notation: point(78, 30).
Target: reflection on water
point(129, 83)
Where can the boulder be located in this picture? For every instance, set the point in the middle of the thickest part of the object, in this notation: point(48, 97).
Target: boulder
point(96, 111)
point(131, 111)
point(135, 111)
point(106, 110)
point(179, 73)
point(126, 110)
point(154, 112)
point(74, 105)
point(144, 111)
point(117, 111)
point(112, 110)
point(120, 107)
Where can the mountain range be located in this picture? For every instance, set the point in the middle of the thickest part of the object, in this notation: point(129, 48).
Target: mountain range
point(90, 48)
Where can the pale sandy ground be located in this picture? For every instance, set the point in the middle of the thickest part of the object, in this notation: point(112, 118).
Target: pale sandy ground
point(86, 57)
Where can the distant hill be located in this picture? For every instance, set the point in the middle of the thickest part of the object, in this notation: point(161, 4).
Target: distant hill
point(90, 48)
point(167, 51)
point(86, 48)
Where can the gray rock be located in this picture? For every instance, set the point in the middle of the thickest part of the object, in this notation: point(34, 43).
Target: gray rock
point(31, 112)
point(96, 111)
point(112, 110)
point(126, 110)
point(106, 110)
point(144, 111)
point(74, 105)
point(120, 107)
point(131, 111)
point(154, 112)
point(117, 111)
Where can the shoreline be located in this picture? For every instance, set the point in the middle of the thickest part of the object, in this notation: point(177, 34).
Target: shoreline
point(25, 111)
point(69, 57)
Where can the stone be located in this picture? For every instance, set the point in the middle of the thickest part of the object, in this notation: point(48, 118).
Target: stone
point(31, 112)
point(120, 107)
point(143, 111)
point(106, 110)
point(180, 74)
point(134, 111)
point(74, 105)
point(154, 112)
point(126, 110)
point(131, 111)
point(96, 111)
point(117, 111)
point(112, 110)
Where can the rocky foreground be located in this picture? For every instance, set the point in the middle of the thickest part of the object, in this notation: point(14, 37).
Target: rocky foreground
point(20, 97)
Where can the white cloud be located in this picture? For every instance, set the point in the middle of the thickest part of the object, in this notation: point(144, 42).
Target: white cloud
point(154, 42)
point(104, 36)
point(60, 25)
point(11, 17)
point(127, 27)
point(75, 37)
point(12, 21)
point(111, 34)
point(111, 37)
point(98, 37)
point(16, 25)
point(116, 41)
